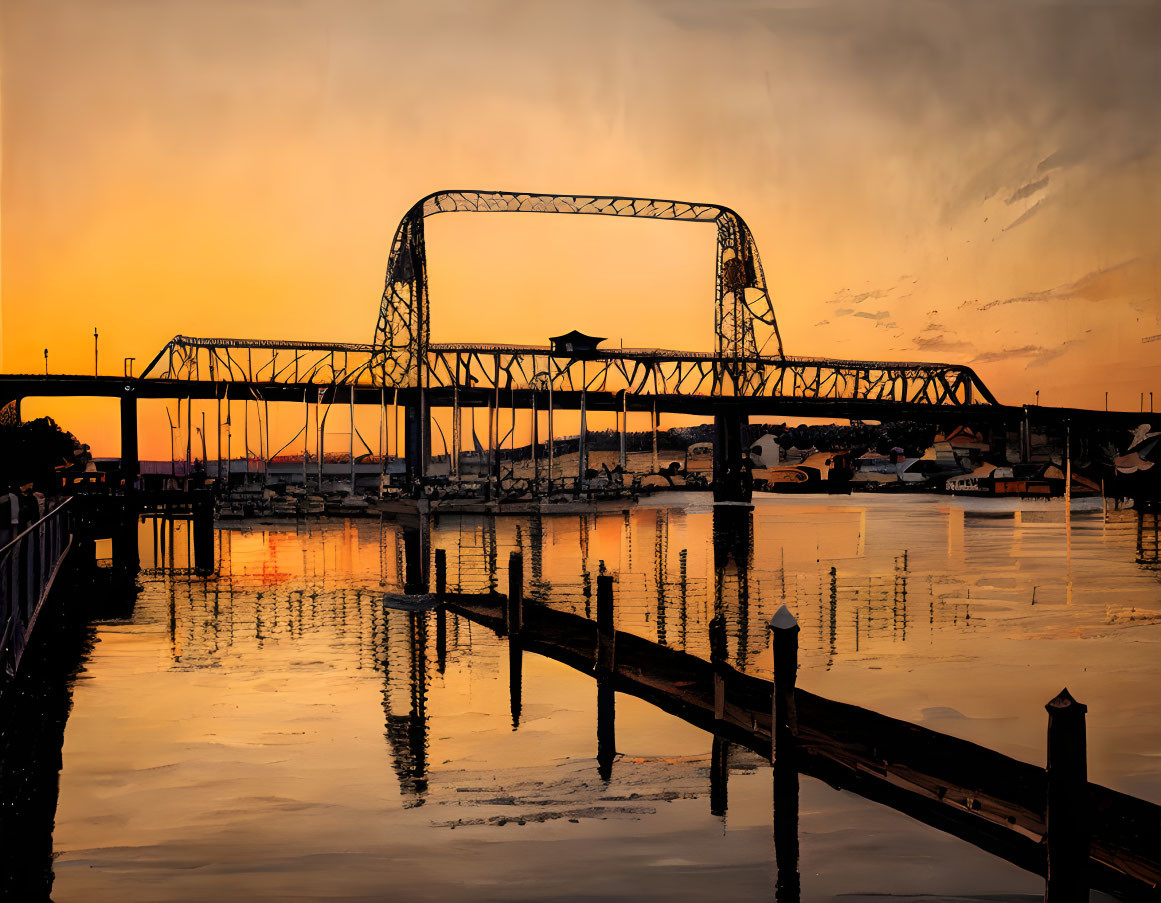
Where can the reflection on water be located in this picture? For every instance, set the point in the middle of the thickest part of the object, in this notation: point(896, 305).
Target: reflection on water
point(276, 732)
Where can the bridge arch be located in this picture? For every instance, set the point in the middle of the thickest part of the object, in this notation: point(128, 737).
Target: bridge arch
point(744, 320)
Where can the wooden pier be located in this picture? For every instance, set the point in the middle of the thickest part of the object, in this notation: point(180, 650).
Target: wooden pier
point(1042, 820)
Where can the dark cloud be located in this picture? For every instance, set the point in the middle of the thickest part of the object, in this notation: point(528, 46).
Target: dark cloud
point(1152, 338)
point(877, 315)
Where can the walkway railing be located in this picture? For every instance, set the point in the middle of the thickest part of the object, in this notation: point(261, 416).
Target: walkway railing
point(28, 567)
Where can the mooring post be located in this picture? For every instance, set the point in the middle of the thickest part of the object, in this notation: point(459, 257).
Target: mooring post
point(203, 531)
point(784, 643)
point(606, 630)
point(514, 613)
point(719, 776)
point(606, 726)
point(515, 680)
point(441, 613)
point(440, 573)
point(717, 640)
point(1066, 817)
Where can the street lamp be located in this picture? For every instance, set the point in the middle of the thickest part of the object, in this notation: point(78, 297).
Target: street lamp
point(46, 362)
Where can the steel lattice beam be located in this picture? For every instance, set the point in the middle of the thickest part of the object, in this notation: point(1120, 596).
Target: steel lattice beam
point(632, 371)
point(744, 319)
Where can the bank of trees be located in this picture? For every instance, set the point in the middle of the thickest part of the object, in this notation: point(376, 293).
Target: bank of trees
point(32, 452)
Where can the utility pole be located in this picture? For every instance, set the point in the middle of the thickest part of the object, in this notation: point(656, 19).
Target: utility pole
point(95, 370)
point(46, 362)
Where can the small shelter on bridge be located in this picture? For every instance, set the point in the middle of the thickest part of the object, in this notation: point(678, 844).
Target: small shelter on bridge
point(575, 343)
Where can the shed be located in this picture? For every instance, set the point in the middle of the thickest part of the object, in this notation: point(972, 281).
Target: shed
point(575, 343)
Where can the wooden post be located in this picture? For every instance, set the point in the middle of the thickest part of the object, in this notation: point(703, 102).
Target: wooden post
point(719, 776)
point(717, 640)
point(515, 610)
point(784, 642)
point(515, 680)
point(202, 523)
point(606, 630)
point(440, 573)
point(606, 726)
point(1067, 813)
point(441, 613)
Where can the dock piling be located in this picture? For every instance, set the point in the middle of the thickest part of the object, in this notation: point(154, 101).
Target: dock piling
point(514, 616)
point(202, 519)
point(606, 631)
point(440, 573)
point(784, 642)
point(1066, 817)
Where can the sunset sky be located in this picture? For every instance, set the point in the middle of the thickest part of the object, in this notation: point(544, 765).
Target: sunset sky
point(975, 182)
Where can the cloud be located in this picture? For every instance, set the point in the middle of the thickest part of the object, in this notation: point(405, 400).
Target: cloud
point(1003, 354)
point(1027, 214)
point(1099, 285)
point(877, 315)
point(845, 296)
point(940, 342)
point(1052, 354)
point(1152, 338)
point(823, 323)
point(1027, 190)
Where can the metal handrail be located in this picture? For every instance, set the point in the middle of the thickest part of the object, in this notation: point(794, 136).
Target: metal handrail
point(34, 525)
point(28, 568)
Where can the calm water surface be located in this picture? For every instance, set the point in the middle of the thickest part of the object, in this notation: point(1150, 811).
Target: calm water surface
point(276, 734)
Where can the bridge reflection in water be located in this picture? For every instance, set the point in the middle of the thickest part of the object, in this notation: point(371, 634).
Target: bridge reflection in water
point(859, 596)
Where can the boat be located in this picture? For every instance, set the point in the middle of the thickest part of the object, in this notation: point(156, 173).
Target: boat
point(1020, 481)
point(828, 472)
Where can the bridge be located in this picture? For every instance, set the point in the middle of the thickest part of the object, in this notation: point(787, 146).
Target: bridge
point(747, 373)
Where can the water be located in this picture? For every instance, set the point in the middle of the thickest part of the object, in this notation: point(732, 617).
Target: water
point(276, 734)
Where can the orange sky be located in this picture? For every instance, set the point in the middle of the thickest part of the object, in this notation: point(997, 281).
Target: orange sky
point(974, 182)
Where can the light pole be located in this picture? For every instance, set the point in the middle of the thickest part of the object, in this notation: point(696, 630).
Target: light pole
point(95, 371)
point(46, 362)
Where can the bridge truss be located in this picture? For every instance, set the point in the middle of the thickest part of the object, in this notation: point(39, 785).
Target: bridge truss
point(634, 372)
point(744, 320)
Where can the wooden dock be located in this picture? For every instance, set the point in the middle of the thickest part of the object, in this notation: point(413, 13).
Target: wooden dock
point(990, 800)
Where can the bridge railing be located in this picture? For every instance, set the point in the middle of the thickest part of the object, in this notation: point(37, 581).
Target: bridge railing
point(28, 568)
point(635, 372)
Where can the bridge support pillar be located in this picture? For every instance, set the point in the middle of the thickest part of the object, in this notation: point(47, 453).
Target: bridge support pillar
point(125, 554)
point(416, 438)
point(732, 482)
